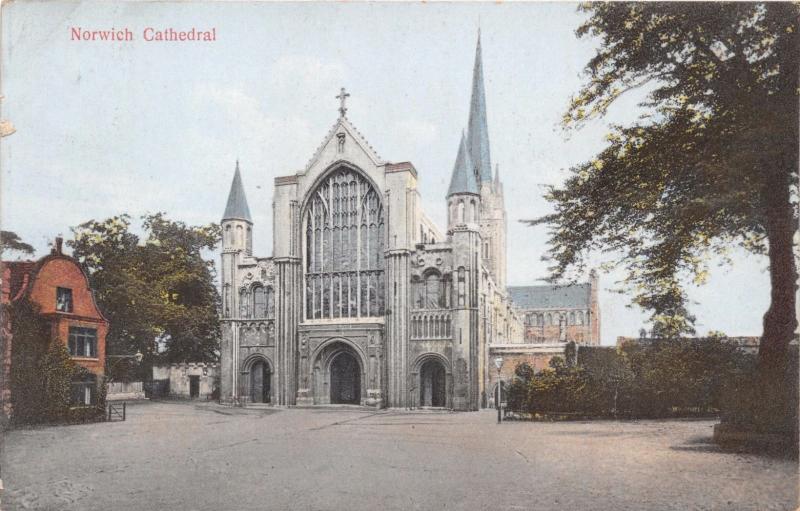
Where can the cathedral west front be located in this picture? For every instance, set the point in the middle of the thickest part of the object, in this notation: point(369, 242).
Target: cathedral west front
point(366, 301)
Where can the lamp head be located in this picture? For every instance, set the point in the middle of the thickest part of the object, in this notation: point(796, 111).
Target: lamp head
point(498, 362)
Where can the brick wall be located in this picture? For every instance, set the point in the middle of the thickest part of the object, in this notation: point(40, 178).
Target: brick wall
point(61, 271)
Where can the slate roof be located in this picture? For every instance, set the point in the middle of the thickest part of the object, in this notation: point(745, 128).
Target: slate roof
point(574, 296)
point(237, 208)
point(478, 132)
point(463, 178)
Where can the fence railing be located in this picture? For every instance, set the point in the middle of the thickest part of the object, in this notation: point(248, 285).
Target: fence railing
point(116, 411)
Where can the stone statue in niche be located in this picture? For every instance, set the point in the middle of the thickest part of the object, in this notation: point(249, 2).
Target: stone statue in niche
point(270, 333)
point(340, 138)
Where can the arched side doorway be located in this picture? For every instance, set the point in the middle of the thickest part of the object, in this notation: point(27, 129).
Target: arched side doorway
point(345, 379)
point(433, 384)
point(258, 380)
point(493, 396)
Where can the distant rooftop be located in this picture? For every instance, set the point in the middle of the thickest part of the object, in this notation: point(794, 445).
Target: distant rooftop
point(551, 297)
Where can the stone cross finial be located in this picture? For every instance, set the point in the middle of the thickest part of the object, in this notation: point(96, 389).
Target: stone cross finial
point(342, 97)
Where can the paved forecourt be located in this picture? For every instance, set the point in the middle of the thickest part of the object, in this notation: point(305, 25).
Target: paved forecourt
point(181, 456)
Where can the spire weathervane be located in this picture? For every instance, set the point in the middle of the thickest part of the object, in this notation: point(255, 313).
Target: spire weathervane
point(342, 97)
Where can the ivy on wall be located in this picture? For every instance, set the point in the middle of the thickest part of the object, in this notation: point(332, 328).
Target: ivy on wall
point(42, 372)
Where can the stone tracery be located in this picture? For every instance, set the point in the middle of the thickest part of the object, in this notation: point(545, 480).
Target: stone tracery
point(344, 228)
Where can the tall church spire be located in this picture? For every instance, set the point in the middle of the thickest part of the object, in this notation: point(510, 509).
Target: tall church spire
point(463, 178)
point(478, 132)
point(237, 208)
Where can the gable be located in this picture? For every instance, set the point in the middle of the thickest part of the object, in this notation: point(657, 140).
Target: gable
point(343, 143)
point(62, 271)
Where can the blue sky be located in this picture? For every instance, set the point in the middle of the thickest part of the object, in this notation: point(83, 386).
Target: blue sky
point(111, 127)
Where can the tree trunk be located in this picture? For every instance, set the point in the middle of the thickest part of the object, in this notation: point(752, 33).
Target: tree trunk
point(780, 321)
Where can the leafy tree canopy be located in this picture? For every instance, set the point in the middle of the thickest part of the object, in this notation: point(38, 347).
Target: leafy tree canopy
point(154, 290)
point(10, 241)
point(711, 164)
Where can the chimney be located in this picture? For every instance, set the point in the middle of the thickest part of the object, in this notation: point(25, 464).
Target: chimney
point(59, 243)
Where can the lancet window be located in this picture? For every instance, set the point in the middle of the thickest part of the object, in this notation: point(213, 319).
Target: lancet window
point(263, 302)
point(344, 230)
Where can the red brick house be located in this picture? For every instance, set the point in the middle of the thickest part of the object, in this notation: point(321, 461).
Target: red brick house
point(57, 285)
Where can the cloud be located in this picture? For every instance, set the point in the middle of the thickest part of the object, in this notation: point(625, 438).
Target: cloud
point(417, 131)
point(306, 73)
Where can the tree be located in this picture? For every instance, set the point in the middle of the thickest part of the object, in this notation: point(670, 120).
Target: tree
point(10, 240)
point(155, 291)
point(712, 163)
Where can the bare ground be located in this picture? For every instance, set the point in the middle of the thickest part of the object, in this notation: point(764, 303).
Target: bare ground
point(181, 456)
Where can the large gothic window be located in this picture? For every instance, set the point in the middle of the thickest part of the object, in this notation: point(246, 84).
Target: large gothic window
point(343, 223)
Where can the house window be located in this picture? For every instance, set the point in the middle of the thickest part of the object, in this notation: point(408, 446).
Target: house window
point(63, 299)
point(84, 390)
point(82, 342)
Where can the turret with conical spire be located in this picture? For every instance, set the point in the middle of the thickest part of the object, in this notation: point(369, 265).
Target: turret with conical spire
point(237, 208)
point(463, 196)
point(490, 214)
point(237, 225)
point(463, 178)
point(478, 132)
point(498, 186)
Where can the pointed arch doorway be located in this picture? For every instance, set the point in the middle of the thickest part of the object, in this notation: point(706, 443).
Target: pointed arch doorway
point(345, 379)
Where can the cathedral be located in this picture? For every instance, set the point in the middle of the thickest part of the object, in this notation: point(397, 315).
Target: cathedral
point(366, 301)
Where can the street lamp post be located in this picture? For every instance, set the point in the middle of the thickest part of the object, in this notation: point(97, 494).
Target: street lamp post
point(498, 363)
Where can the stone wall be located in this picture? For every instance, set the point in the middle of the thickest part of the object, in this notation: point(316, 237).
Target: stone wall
point(178, 375)
point(536, 355)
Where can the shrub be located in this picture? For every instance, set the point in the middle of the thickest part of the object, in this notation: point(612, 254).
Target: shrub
point(749, 404)
point(666, 378)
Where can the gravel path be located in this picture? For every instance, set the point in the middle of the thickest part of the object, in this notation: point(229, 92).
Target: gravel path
point(180, 456)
